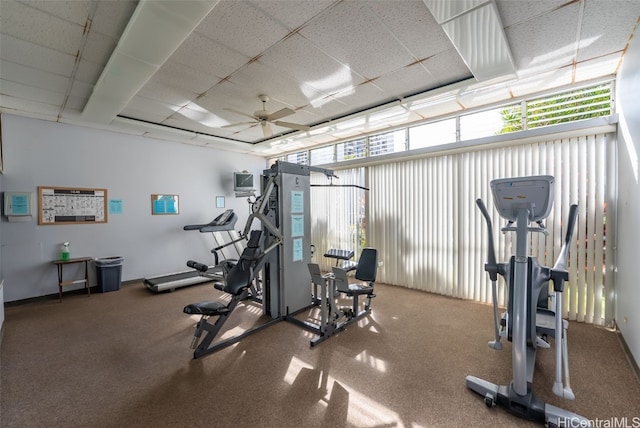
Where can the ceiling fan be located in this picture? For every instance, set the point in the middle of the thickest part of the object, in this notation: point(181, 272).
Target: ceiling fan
point(265, 119)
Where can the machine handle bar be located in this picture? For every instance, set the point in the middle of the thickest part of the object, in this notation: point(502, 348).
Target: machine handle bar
point(561, 262)
point(492, 265)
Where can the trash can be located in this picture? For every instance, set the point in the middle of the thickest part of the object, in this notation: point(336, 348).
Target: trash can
point(109, 273)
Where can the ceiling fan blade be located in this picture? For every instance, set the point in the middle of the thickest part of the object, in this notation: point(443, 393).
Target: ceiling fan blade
point(266, 129)
point(280, 113)
point(231, 125)
point(240, 113)
point(292, 125)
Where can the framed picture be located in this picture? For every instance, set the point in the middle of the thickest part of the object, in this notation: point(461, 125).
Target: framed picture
point(219, 201)
point(165, 204)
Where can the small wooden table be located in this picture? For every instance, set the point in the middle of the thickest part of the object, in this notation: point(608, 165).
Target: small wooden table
point(85, 281)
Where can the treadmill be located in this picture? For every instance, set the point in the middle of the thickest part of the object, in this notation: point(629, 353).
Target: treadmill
point(169, 282)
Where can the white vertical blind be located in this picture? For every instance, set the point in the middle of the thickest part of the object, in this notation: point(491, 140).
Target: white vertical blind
point(431, 236)
point(338, 214)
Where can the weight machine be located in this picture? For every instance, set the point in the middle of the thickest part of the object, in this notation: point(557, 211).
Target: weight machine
point(528, 321)
point(281, 264)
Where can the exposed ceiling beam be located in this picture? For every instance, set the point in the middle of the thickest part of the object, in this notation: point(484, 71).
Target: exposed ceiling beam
point(475, 29)
point(155, 31)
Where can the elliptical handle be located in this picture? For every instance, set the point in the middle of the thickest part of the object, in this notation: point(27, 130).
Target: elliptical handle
point(491, 252)
point(561, 261)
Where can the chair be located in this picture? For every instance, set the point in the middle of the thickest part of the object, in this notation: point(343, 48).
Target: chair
point(365, 272)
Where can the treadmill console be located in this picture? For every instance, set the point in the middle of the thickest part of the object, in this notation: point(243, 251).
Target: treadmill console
point(532, 193)
point(222, 219)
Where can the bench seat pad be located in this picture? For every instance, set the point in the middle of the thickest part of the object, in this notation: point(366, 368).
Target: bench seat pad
point(206, 308)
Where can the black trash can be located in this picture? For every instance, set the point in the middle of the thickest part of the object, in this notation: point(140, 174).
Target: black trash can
point(109, 273)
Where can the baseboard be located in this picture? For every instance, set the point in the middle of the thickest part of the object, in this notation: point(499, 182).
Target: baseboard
point(627, 352)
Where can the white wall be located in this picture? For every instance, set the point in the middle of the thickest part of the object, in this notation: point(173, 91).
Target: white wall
point(627, 285)
point(131, 168)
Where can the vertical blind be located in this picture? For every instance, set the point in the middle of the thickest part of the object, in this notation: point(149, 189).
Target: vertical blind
point(430, 235)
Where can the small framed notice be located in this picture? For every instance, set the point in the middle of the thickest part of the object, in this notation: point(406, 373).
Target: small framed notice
point(165, 204)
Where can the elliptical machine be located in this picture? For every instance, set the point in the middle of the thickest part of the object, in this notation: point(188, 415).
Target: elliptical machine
point(528, 321)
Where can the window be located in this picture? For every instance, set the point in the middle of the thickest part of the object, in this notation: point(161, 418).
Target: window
point(354, 149)
point(390, 142)
point(322, 155)
point(432, 134)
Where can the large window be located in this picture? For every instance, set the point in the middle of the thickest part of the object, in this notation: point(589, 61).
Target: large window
point(570, 106)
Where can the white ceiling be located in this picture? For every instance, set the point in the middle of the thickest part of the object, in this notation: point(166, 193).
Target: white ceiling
point(344, 67)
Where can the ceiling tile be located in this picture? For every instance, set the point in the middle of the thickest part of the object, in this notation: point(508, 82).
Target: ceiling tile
point(35, 56)
point(181, 77)
point(361, 44)
point(413, 25)
point(447, 67)
point(300, 59)
point(598, 67)
point(33, 77)
point(19, 90)
point(112, 17)
point(292, 17)
point(600, 38)
point(555, 47)
point(207, 56)
point(400, 83)
point(241, 27)
point(75, 11)
point(99, 48)
point(516, 12)
point(149, 110)
point(28, 107)
point(40, 28)
point(156, 90)
point(528, 84)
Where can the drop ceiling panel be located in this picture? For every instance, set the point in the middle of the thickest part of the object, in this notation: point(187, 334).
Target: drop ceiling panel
point(149, 110)
point(396, 84)
point(209, 57)
point(98, 48)
point(158, 91)
point(447, 67)
point(363, 44)
point(178, 76)
point(597, 37)
point(242, 27)
point(35, 56)
point(30, 93)
point(412, 24)
point(33, 77)
point(263, 79)
point(530, 84)
point(75, 11)
point(303, 61)
point(556, 46)
point(515, 12)
point(41, 28)
point(33, 108)
point(292, 17)
point(592, 69)
point(111, 17)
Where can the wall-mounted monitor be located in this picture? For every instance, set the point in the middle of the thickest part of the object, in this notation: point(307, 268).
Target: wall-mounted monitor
point(243, 182)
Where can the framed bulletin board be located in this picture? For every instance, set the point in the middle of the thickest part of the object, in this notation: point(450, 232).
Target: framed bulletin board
point(164, 204)
point(71, 205)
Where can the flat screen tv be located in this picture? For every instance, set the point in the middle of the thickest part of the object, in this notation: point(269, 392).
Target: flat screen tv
point(243, 182)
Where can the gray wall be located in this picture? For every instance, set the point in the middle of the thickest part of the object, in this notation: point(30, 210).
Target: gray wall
point(627, 287)
point(131, 168)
